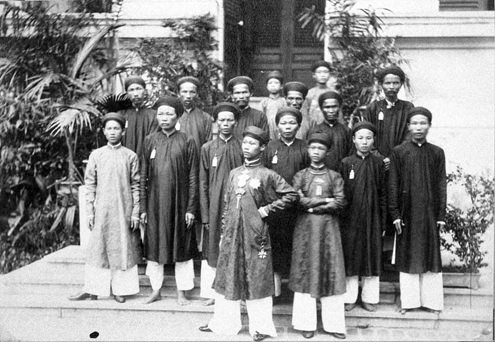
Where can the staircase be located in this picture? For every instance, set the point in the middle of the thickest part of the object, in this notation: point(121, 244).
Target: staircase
point(34, 306)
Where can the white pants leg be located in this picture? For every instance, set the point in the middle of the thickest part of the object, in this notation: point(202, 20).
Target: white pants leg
point(260, 316)
point(409, 290)
point(97, 280)
point(371, 290)
point(125, 283)
point(154, 271)
point(304, 312)
point(207, 278)
point(432, 290)
point(184, 275)
point(352, 288)
point(226, 316)
point(333, 313)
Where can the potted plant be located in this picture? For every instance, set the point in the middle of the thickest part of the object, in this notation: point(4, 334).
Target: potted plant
point(467, 220)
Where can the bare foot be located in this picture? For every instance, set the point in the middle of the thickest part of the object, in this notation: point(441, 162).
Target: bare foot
point(182, 299)
point(155, 296)
point(209, 302)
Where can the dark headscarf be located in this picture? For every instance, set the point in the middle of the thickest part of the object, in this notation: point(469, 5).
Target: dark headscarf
point(318, 64)
point(190, 79)
point(321, 138)
point(329, 95)
point(363, 125)
point(113, 116)
point(394, 70)
point(288, 111)
point(170, 101)
point(240, 80)
point(296, 86)
point(134, 80)
point(256, 133)
point(226, 107)
point(275, 74)
point(419, 111)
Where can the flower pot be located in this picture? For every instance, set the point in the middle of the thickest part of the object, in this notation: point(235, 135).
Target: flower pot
point(464, 280)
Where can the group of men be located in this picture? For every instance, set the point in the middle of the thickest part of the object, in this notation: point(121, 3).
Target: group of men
point(290, 191)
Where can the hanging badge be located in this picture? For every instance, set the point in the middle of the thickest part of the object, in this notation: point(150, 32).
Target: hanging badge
point(319, 190)
point(214, 162)
point(380, 116)
point(126, 124)
point(275, 159)
point(351, 174)
point(153, 153)
point(177, 126)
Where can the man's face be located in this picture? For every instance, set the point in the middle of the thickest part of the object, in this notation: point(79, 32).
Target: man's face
point(273, 86)
point(330, 109)
point(317, 152)
point(363, 140)
point(251, 148)
point(391, 85)
point(167, 117)
point(241, 95)
point(418, 126)
point(113, 131)
point(226, 123)
point(136, 93)
point(321, 75)
point(188, 93)
point(294, 99)
point(288, 127)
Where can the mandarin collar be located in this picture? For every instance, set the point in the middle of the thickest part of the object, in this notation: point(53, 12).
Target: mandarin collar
point(252, 163)
point(114, 147)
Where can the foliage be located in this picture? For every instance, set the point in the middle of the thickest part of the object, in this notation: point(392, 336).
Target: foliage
point(188, 54)
point(465, 228)
point(357, 48)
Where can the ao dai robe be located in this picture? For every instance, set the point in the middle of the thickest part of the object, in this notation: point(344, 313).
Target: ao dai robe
point(139, 123)
point(244, 268)
point(250, 117)
point(341, 138)
point(197, 125)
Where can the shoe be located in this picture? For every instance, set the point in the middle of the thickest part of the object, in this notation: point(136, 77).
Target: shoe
point(119, 299)
point(308, 334)
point(338, 335)
point(155, 296)
point(432, 310)
point(403, 311)
point(259, 337)
point(369, 307)
point(83, 296)
point(205, 328)
point(349, 307)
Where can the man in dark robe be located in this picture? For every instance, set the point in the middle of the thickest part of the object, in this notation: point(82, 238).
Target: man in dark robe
point(218, 158)
point(286, 156)
point(169, 200)
point(295, 92)
point(140, 120)
point(417, 202)
point(244, 268)
point(241, 89)
point(340, 135)
point(364, 218)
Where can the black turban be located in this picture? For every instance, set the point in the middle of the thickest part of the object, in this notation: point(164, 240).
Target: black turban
point(419, 111)
point(329, 95)
point(363, 125)
point(134, 80)
point(240, 80)
point(190, 79)
point(318, 64)
point(170, 101)
point(288, 111)
point(321, 138)
point(394, 70)
point(256, 133)
point(226, 107)
point(296, 86)
point(275, 74)
point(114, 116)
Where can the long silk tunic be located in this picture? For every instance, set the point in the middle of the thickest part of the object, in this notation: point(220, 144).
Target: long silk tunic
point(417, 195)
point(244, 268)
point(112, 196)
point(169, 190)
point(250, 117)
point(139, 123)
point(197, 125)
point(317, 265)
point(340, 136)
point(218, 158)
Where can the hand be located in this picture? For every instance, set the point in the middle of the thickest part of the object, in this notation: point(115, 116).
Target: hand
point(440, 224)
point(189, 220)
point(398, 226)
point(135, 223)
point(206, 226)
point(91, 222)
point(386, 161)
point(144, 218)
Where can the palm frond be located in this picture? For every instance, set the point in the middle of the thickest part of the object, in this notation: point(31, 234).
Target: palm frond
point(73, 117)
point(114, 103)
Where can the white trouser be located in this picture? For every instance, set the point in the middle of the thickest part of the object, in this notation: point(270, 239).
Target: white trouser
point(207, 278)
point(370, 289)
point(332, 313)
point(227, 316)
point(98, 281)
point(424, 289)
point(184, 275)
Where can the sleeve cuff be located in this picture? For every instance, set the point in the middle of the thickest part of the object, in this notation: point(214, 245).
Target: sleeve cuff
point(263, 212)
